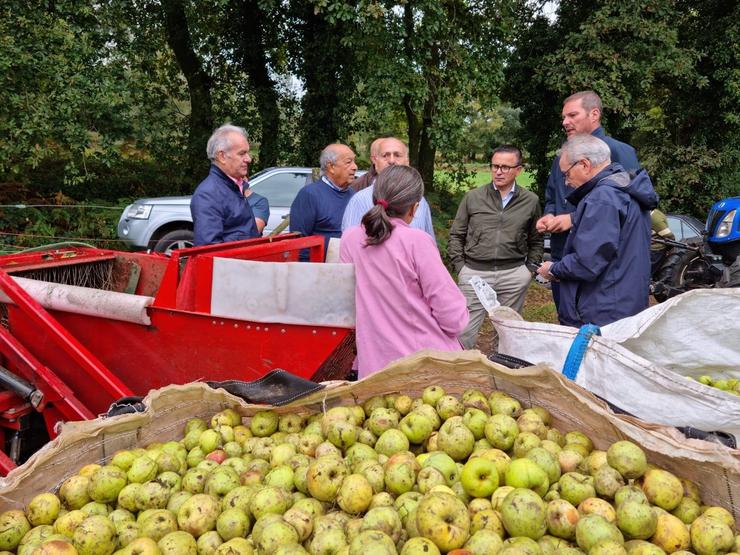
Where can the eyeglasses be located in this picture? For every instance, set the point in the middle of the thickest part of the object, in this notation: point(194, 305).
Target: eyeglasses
point(566, 172)
point(503, 169)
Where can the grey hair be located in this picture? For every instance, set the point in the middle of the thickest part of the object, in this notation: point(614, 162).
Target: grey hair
point(589, 100)
point(328, 156)
point(586, 146)
point(395, 191)
point(220, 140)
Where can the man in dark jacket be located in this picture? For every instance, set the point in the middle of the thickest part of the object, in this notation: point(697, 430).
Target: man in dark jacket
point(220, 211)
point(494, 237)
point(605, 270)
point(581, 114)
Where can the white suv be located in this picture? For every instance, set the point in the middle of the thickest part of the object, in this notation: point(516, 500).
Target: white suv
point(163, 224)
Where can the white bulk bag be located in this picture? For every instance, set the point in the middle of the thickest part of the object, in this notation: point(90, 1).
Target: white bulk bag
point(639, 363)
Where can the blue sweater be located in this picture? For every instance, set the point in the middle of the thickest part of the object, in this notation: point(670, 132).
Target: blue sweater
point(220, 212)
point(318, 210)
point(556, 192)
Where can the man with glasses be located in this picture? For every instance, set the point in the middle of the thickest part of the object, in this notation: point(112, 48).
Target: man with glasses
point(581, 115)
point(494, 236)
point(604, 272)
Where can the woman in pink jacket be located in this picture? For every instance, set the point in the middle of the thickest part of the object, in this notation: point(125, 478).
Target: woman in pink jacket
point(405, 298)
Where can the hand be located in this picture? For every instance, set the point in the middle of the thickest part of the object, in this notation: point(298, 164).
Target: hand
point(560, 223)
point(544, 271)
point(543, 223)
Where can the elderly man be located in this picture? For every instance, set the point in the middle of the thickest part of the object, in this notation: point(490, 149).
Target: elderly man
point(318, 208)
point(391, 151)
point(604, 273)
point(219, 208)
point(581, 114)
point(367, 179)
point(494, 237)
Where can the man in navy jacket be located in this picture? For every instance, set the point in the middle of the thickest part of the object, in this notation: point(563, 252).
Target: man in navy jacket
point(581, 114)
point(220, 211)
point(604, 272)
point(318, 208)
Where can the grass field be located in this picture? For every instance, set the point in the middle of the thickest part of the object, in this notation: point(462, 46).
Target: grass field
point(482, 176)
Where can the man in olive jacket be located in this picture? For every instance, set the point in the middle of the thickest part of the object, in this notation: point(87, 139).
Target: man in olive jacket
point(494, 237)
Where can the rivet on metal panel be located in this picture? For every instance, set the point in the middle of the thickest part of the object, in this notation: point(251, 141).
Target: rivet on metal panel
point(222, 322)
point(249, 327)
point(313, 332)
point(266, 328)
point(213, 322)
point(282, 330)
point(257, 328)
point(333, 333)
point(236, 326)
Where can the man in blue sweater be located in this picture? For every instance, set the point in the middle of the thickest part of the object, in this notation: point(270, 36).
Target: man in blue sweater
point(318, 208)
point(220, 211)
point(581, 115)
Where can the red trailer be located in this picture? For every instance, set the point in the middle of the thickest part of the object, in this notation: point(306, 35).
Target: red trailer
point(82, 327)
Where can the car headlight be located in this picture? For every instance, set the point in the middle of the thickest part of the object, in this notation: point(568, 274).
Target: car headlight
point(139, 211)
point(725, 226)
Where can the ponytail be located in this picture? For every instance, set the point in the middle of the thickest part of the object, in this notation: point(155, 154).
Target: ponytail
point(396, 190)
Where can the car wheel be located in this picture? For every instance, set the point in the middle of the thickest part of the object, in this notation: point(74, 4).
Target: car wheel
point(173, 240)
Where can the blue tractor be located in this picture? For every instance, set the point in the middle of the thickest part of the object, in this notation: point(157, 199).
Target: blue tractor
point(723, 238)
point(713, 262)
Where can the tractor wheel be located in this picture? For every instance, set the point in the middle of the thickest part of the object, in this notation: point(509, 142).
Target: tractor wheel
point(684, 270)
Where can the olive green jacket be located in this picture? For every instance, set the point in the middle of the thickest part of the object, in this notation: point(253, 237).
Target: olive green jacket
point(487, 236)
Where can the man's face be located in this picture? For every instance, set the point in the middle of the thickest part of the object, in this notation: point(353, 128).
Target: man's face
point(504, 169)
point(342, 172)
point(375, 153)
point(577, 172)
point(577, 120)
point(234, 161)
point(390, 153)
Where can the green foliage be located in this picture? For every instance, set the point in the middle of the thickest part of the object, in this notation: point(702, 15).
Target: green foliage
point(664, 72)
point(95, 102)
point(428, 62)
point(33, 227)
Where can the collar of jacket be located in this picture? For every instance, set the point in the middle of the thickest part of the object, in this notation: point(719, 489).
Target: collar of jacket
point(497, 194)
point(576, 195)
point(219, 173)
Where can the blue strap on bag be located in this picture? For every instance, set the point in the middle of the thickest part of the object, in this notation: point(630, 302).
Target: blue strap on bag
point(578, 350)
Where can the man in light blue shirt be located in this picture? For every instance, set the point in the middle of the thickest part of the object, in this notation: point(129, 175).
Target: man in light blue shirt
point(391, 152)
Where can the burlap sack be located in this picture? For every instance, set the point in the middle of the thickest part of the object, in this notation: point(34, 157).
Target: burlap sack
point(715, 468)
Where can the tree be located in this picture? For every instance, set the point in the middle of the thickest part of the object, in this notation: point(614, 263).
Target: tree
point(430, 60)
point(319, 56)
point(653, 63)
point(199, 82)
point(63, 94)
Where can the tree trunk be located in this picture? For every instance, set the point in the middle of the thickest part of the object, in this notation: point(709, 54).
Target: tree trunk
point(252, 52)
point(414, 125)
point(321, 72)
point(199, 86)
point(421, 150)
point(427, 150)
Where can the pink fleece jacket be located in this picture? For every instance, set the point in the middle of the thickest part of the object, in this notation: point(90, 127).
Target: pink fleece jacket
point(405, 299)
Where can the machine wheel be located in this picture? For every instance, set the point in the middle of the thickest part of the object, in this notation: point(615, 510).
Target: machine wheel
point(684, 270)
point(175, 239)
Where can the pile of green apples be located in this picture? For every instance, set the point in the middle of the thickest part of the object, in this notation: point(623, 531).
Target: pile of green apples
point(730, 385)
point(468, 475)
